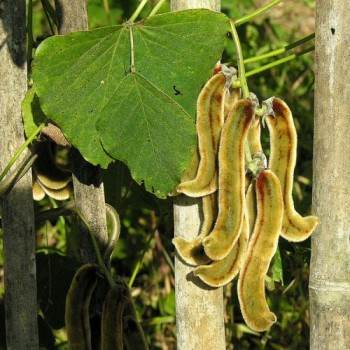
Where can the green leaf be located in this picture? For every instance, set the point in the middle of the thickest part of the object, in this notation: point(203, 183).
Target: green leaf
point(33, 116)
point(70, 76)
point(177, 52)
point(277, 268)
point(86, 76)
point(151, 136)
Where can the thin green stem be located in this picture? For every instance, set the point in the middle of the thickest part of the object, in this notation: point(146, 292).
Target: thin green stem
point(139, 263)
point(281, 50)
point(50, 10)
point(256, 13)
point(99, 257)
point(107, 11)
point(265, 55)
point(278, 62)
point(46, 7)
point(138, 10)
point(242, 78)
point(300, 42)
point(19, 152)
point(22, 168)
point(157, 7)
point(240, 62)
point(168, 259)
point(68, 209)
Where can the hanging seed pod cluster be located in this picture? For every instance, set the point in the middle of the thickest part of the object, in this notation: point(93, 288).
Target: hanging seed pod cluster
point(118, 325)
point(247, 202)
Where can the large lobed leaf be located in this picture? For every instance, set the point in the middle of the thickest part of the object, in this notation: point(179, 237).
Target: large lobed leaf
point(143, 117)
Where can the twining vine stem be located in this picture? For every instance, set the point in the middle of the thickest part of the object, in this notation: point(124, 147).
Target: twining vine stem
point(19, 152)
point(156, 8)
point(12, 178)
point(240, 62)
point(70, 207)
point(50, 14)
point(278, 62)
point(256, 13)
point(139, 262)
point(280, 50)
point(138, 10)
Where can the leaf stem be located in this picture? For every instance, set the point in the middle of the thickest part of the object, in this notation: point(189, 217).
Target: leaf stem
point(280, 50)
point(256, 13)
point(138, 10)
point(19, 152)
point(157, 7)
point(240, 62)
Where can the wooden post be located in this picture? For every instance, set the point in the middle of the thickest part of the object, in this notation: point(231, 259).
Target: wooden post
point(17, 206)
point(199, 308)
point(88, 186)
point(330, 258)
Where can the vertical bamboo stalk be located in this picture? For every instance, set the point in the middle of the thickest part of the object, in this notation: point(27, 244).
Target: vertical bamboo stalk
point(17, 206)
point(88, 186)
point(199, 309)
point(330, 264)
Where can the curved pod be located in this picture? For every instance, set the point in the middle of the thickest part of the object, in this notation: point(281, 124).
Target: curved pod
point(231, 201)
point(221, 272)
point(261, 249)
point(192, 251)
point(283, 139)
point(231, 98)
point(112, 320)
point(254, 136)
point(210, 119)
point(77, 308)
point(133, 336)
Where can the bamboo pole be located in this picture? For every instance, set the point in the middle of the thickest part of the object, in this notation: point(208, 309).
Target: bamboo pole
point(330, 258)
point(88, 186)
point(199, 309)
point(16, 206)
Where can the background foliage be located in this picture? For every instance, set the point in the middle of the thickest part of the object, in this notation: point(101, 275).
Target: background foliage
point(144, 253)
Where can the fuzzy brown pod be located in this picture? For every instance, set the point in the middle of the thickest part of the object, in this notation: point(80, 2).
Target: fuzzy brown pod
point(209, 123)
point(192, 251)
point(261, 249)
point(231, 192)
point(77, 308)
point(283, 141)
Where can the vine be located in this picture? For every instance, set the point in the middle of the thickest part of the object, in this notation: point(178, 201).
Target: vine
point(112, 105)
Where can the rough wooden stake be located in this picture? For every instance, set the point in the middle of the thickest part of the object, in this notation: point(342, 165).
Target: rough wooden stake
point(330, 253)
point(17, 206)
point(88, 186)
point(199, 309)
